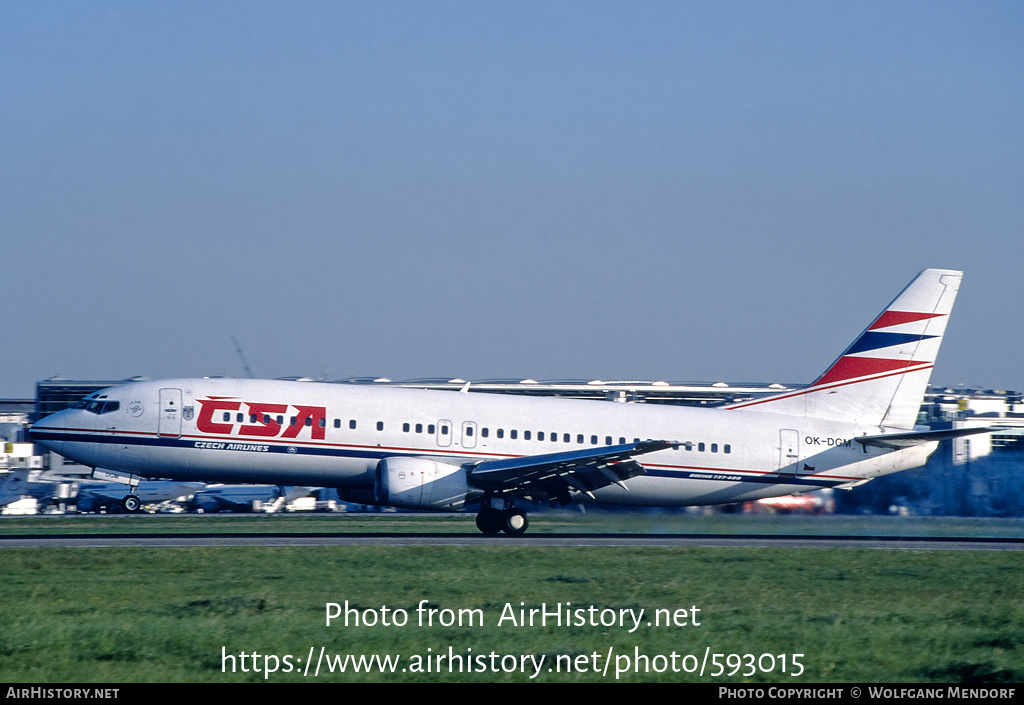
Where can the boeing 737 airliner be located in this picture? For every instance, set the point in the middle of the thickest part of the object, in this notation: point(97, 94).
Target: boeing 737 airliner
point(444, 450)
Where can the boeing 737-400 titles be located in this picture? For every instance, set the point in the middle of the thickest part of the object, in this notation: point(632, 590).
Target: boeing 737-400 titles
point(445, 450)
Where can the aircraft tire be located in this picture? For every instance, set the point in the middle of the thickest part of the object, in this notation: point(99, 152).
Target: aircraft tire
point(131, 504)
point(514, 522)
point(489, 521)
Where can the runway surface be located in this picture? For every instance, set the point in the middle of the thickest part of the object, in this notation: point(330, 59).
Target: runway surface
point(185, 540)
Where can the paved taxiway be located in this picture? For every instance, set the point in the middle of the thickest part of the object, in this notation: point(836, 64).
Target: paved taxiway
point(565, 540)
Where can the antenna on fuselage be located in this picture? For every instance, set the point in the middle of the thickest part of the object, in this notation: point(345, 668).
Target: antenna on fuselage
point(241, 356)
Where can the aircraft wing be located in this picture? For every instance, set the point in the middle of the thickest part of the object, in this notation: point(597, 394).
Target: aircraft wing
point(554, 475)
point(913, 438)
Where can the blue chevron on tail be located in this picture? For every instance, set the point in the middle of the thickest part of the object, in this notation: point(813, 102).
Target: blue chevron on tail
point(880, 379)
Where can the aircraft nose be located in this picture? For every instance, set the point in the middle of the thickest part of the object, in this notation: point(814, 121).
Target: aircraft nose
point(37, 428)
point(41, 432)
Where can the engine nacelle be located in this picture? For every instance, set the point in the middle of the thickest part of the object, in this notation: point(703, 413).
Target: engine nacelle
point(419, 483)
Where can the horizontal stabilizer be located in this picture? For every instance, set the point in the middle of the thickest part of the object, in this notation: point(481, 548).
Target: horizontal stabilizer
point(895, 441)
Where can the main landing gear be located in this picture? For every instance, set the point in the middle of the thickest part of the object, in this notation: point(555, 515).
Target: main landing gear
point(510, 519)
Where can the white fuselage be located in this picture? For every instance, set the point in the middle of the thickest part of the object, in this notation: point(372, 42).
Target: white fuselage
point(334, 435)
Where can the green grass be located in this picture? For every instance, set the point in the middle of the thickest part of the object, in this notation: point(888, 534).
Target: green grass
point(542, 522)
point(164, 615)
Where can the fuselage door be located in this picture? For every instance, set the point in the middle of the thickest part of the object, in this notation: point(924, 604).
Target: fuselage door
point(169, 424)
point(789, 450)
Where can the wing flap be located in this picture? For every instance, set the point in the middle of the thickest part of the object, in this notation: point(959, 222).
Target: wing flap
point(555, 474)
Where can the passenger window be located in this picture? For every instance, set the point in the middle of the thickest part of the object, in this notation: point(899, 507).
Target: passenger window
point(526, 435)
point(419, 428)
point(621, 440)
point(565, 438)
point(352, 424)
point(513, 434)
point(430, 429)
point(540, 436)
point(727, 448)
point(700, 447)
point(579, 438)
point(501, 433)
point(469, 430)
point(593, 440)
point(337, 423)
point(227, 415)
point(380, 425)
point(714, 447)
point(484, 432)
point(607, 440)
point(405, 427)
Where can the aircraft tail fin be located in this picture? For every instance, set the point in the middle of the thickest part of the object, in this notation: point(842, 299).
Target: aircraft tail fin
point(881, 378)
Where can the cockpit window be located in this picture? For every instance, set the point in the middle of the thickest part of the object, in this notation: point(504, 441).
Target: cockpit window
point(98, 406)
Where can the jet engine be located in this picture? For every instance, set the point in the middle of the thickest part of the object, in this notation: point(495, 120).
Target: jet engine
point(420, 483)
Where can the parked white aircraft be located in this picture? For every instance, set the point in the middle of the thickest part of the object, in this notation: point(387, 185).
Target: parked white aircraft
point(18, 484)
point(218, 498)
point(94, 496)
point(444, 450)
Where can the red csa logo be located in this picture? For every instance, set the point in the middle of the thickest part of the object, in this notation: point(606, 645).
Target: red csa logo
point(262, 420)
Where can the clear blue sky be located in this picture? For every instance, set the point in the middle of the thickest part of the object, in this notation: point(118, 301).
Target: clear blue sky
point(655, 190)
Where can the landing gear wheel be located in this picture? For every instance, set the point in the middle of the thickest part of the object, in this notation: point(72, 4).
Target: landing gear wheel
point(489, 521)
point(131, 504)
point(514, 521)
